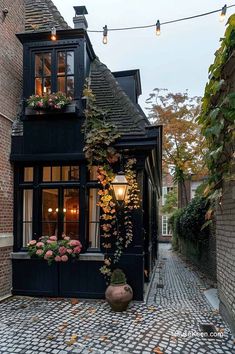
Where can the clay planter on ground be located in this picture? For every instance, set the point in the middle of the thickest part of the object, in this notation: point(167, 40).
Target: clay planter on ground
point(119, 296)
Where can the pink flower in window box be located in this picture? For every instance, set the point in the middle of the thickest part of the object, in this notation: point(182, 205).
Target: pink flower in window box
point(48, 254)
point(69, 250)
point(39, 244)
point(53, 238)
point(62, 250)
point(57, 258)
point(74, 243)
point(77, 249)
point(64, 258)
point(32, 242)
point(39, 252)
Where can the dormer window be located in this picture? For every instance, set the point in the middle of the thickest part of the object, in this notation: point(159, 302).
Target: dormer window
point(54, 71)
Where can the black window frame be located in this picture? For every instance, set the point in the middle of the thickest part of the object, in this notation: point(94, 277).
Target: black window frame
point(54, 50)
point(37, 185)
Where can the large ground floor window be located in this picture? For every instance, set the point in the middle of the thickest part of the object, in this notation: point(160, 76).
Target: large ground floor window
point(57, 200)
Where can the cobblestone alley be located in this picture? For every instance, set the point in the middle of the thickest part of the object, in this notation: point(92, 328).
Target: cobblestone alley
point(168, 323)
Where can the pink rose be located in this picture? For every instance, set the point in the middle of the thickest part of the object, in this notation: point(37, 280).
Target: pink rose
point(57, 258)
point(69, 250)
point(39, 252)
point(67, 238)
point(32, 242)
point(64, 258)
point(53, 238)
point(50, 242)
point(62, 250)
point(77, 249)
point(48, 254)
point(39, 244)
point(40, 104)
point(74, 243)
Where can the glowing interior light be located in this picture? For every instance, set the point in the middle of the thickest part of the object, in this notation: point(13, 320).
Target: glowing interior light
point(53, 34)
point(49, 210)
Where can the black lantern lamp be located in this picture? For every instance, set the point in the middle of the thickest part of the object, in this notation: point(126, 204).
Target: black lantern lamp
point(120, 186)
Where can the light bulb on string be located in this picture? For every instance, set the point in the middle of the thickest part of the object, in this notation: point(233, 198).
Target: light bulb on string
point(158, 28)
point(105, 34)
point(223, 13)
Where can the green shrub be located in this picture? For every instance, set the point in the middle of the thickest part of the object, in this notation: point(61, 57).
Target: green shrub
point(193, 218)
point(118, 277)
point(175, 225)
point(187, 223)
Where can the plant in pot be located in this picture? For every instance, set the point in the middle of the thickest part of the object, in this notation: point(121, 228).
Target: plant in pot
point(118, 294)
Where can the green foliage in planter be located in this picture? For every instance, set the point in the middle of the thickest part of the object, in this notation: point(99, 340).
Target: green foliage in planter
point(118, 277)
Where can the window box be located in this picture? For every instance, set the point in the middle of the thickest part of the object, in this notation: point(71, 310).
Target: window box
point(69, 109)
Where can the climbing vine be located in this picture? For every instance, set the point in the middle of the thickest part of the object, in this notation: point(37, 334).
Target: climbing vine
point(218, 116)
point(100, 135)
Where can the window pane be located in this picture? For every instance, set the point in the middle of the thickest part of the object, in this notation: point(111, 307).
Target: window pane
point(49, 212)
point(61, 63)
point(38, 86)
point(70, 63)
point(71, 229)
point(94, 218)
point(74, 174)
point(70, 173)
point(47, 85)
point(71, 205)
point(28, 174)
point(46, 174)
point(61, 84)
point(70, 86)
point(38, 64)
point(47, 64)
point(27, 216)
point(56, 173)
point(93, 173)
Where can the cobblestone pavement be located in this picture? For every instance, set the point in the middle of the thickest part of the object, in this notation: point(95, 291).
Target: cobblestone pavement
point(168, 323)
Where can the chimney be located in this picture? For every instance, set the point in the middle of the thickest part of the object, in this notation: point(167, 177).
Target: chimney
point(79, 20)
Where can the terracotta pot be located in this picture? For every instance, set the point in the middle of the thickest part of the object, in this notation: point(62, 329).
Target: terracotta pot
point(119, 296)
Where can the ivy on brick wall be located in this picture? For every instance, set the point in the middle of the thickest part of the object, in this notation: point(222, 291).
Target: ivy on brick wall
point(218, 117)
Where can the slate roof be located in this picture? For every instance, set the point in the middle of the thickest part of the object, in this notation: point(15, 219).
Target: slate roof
point(41, 15)
point(120, 109)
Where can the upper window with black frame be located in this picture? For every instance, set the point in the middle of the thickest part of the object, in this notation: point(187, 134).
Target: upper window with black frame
point(60, 173)
point(65, 72)
point(42, 73)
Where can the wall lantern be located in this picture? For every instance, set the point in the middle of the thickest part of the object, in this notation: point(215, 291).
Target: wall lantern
point(53, 34)
point(120, 186)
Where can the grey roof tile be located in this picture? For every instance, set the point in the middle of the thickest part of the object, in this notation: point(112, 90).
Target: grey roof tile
point(121, 111)
point(41, 15)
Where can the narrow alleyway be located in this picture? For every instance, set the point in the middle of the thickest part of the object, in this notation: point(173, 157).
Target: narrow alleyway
point(168, 324)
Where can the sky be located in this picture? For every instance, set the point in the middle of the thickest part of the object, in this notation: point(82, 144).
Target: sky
point(177, 60)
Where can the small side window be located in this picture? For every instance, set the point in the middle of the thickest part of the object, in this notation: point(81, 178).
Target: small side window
point(28, 174)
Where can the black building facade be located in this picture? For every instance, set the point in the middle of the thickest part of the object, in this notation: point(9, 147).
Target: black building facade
point(55, 192)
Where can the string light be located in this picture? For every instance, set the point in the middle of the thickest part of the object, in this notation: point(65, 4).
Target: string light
point(158, 28)
point(53, 34)
point(105, 34)
point(155, 25)
point(223, 13)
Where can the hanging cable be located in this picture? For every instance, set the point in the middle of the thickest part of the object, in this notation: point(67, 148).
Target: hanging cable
point(158, 24)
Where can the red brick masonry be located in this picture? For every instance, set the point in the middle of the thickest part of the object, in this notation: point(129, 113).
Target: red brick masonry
point(5, 271)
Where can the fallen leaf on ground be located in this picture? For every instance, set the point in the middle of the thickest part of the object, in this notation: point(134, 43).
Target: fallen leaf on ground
point(104, 338)
point(74, 301)
point(74, 337)
point(50, 337)
point(157, 350)
point(70, 342)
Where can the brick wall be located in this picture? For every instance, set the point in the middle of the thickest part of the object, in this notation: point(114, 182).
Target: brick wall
point(225, 241)
point(5, 270)
point(10, 94)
